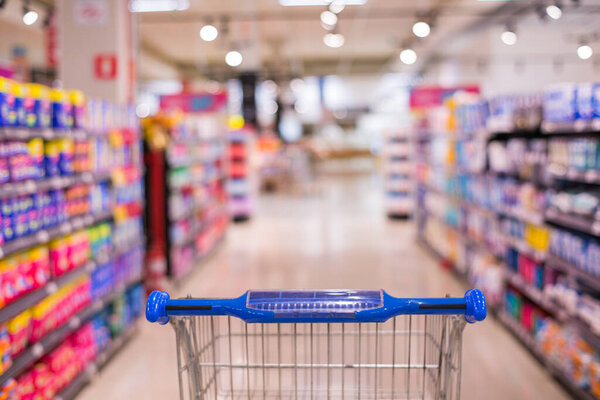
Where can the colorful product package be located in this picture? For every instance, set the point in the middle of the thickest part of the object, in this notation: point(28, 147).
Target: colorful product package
point(35, 149)
point(52, 157)
point(19, 331)
point(4, 169)
point(37, 106)
point(65, 162)
point(59, 261)
point(61, 109)
point(40, 265)
point(19, 119)
point(7, 100)
point(5, 350)
point(77, 100)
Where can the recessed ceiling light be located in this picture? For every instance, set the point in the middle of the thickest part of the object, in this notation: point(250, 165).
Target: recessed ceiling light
point(337, 6)
point(208, 33)
point(421, 29)
point(508, 37)
point(334, 40)
point(234, 58)
point(30, 17)
point(328, 18)
point(408, 56)
point(584, 51)
point(554, 11)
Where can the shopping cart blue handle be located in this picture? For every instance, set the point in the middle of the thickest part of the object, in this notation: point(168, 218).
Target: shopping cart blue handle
point(301, 306)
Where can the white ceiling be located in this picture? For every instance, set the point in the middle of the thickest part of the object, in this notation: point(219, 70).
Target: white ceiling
point(289, 40)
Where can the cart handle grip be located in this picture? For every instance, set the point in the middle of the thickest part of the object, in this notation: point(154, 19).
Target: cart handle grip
point(305, 306)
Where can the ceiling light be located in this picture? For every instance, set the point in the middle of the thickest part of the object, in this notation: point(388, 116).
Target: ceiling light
point(327, 27)
point(208, 33)
point(554, 11)
point(421, 29)
point(29, 16)
point(334, 40)
point(234, 58)
point(300, 3)
point(508, 37)
point(158, 5)
point(408, 56)
point(337, 6)
point(584, 51)
point(329, 18)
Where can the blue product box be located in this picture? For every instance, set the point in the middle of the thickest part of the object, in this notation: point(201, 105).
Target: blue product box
point(8, 219)
point(596, 100)
point(584, 101)
point(560, 103)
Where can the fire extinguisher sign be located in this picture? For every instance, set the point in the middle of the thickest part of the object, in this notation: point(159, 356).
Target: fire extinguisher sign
point(105, 66)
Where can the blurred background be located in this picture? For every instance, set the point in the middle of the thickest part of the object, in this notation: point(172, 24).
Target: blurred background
point(210, 147)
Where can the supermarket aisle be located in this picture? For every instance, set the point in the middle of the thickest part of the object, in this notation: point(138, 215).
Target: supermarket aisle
point(338, 239)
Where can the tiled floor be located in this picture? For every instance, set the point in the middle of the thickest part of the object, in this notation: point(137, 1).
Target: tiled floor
point(339, 238)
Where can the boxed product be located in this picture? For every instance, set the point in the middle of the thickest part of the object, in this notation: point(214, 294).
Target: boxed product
point(560, 103)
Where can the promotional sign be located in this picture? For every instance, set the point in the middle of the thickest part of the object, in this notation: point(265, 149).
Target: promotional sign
point(432, 96)
point(194, 102)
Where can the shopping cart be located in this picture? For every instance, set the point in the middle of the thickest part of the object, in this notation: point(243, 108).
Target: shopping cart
point(318, 344)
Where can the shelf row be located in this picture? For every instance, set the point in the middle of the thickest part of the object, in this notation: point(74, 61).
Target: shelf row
point(46, 235)
point(28, 300)
point(553, 366)
point(54, 183)
point(526, 338)
point(33, 353)
point(9, 133)
point(84, 378)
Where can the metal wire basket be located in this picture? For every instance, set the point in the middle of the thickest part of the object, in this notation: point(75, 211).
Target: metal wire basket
point(327, 354)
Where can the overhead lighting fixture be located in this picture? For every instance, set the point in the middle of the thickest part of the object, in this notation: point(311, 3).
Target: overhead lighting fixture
point(337, 6)
point(328, 18)
point(309, 3)
point(29, 16)
point(408, 56)
point(208, 33)
point(234, 58)
point(158, 5)
point(584, 51)
point(334, 40)
point(421, 29)
point(554, 11)
point(508, 37)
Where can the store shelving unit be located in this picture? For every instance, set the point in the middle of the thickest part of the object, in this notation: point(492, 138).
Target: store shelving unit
point(398, 173)
point(108, 162)
point(187, 211)
point(445, 201)
point(84, 378)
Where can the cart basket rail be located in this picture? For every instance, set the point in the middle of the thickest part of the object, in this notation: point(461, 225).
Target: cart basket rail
point(315, 306)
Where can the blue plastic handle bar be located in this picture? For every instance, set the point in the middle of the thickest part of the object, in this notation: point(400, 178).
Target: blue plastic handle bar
point(301, 306)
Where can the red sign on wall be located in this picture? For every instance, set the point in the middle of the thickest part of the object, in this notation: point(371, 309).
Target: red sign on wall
point(105, 66)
